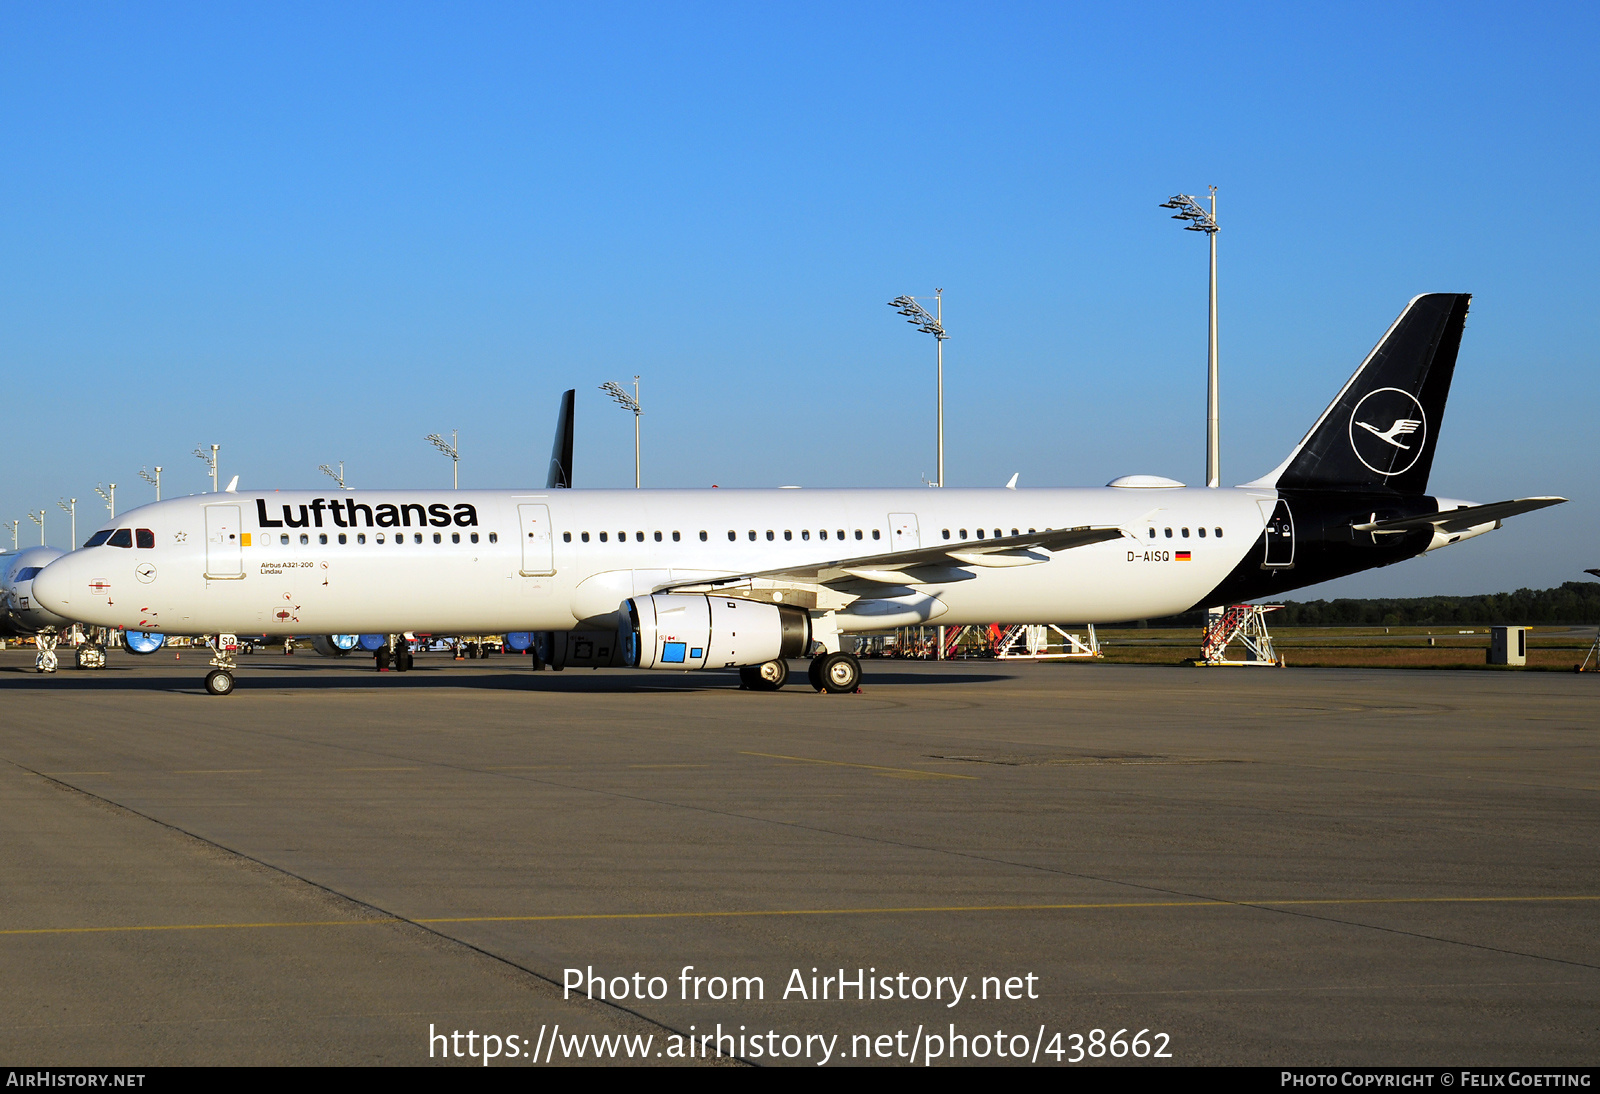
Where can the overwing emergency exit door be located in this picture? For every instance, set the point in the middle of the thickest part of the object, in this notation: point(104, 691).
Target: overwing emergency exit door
point(538, 549)
point(224, 551)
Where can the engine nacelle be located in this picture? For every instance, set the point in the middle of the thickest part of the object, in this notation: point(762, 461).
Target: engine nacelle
point(693, 631)
point(335, 645)
point(578, 649)
point(143, 642)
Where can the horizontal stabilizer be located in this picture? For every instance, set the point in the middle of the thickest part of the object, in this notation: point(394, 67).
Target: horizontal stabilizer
point(1452, 521)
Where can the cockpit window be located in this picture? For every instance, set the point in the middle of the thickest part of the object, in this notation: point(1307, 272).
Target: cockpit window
point(144, 537)
point(122, 537)
point(27, 573)
point(98, 538)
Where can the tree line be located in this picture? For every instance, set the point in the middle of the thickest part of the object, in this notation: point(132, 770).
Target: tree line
point(1574, 602)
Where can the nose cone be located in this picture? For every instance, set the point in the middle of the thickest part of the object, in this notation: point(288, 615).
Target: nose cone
point(52, 587)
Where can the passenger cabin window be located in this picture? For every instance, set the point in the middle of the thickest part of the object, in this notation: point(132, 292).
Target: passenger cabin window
point(732, 535)
point(658, 537)
point(752, 535)
point(770, 535)
point(455, 537)
point(602, 537)
point(1202, 532)
point(144, 537)
point(122, 537)
point(284, 539)
point(980, 533)
point(676, 537)
point(584, 536)
point(858, 533)
point(494, 537)
point(361, 537)
point(703, 535)
point(375, 539)
point(343, 539)
point(566, 537)
point(1186, 533)
point(304, 539)
point(98, 538)
point(823, 534)
point(1169, 533)
point(322, 537)
point(1152, 533)
point(945, 532)
point(805, 534)
point(875, 534)
point(788, 534)
point(1218, 531)
point(438, 537)
point(472, 536)
point(962, 534)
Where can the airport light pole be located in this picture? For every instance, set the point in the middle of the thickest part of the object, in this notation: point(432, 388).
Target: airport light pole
point(628, 402)
point(109, 498)
point(336, 476)
point(70, 505)
point(1201, 220)
point(39, 520)
point(437, 442)
point(16, 526)
point(153, 480)
point(933, 324)
point(211, 462)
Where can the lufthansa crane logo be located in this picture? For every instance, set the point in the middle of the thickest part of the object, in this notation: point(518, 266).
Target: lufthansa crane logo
point(1388, 430)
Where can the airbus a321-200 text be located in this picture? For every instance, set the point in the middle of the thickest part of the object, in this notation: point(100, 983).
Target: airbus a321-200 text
point(748, 579)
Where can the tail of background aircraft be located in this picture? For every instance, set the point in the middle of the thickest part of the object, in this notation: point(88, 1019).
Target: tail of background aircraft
point(1379, 433)
point(559, 475)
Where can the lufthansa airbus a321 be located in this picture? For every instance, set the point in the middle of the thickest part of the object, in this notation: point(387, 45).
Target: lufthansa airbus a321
point(747, 579)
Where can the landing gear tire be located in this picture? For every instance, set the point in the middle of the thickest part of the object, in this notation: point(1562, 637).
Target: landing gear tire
point(836, 673)
point(768, 676)
point(219, 682)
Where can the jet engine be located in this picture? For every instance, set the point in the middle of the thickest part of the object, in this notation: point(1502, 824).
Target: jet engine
point(335, 645)
point(143, 642)
point(692, 631)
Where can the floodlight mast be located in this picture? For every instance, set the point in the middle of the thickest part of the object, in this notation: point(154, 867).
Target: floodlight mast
point(336, 476)
point(71, 507)
point(109, 497)
point(16, 526)
point(1202, 221)
point(918, 317)
point(628, 402)
point(39, 520)
point(153, 480)
point(437, 441)
point(211, 462)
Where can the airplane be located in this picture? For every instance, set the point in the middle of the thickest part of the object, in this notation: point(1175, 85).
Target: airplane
point(748, 579)
point(21, 615)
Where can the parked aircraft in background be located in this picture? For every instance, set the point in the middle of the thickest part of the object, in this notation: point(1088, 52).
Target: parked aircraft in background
point(747, 579)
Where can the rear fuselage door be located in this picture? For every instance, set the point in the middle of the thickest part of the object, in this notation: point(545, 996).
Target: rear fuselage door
point(903, 534)
point(1280, 538)
point(224, 552)
point(538, 548)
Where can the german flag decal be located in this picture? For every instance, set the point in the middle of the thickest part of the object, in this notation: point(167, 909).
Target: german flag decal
point(1182, 556)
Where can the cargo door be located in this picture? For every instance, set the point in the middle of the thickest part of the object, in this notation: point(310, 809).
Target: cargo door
point(538, 549)
point(903, 533)
point(224, 552)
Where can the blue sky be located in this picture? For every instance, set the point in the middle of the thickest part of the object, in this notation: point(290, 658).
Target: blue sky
point(313, 233)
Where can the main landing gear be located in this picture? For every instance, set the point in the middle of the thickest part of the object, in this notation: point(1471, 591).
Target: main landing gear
point(836, 673)
point(769, 676)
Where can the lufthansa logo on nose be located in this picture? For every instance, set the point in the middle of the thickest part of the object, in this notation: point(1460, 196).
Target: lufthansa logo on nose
point(145, 572)
point(1388, 430)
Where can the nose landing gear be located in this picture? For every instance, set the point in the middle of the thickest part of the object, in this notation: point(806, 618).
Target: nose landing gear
point(224, 663)
point(46, 659)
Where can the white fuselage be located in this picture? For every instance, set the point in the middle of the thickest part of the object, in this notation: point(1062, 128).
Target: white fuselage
point(494, 561)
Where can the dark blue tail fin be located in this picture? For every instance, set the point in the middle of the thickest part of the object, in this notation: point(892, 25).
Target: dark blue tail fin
point(1380, 431)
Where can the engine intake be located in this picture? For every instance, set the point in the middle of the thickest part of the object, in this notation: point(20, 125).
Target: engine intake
point(692, 631)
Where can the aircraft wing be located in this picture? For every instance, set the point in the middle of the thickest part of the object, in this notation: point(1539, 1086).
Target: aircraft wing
point(892, 568)
point(1459, 520)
